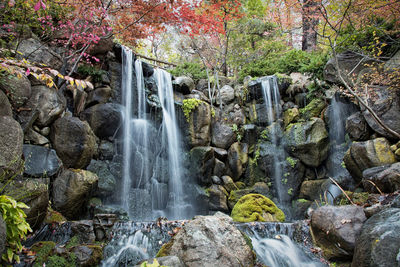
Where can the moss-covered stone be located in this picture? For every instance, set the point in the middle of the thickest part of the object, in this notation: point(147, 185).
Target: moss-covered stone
point(164, 250)
point(53, 216)
point(256, 207)
point(43, 250)
point(313, 109)
point(290, 115)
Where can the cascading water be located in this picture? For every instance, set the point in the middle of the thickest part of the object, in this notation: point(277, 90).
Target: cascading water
point(152, 165)
point(271, 96)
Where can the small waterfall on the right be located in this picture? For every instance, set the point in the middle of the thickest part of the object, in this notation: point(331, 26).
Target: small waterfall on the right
point(339, 110)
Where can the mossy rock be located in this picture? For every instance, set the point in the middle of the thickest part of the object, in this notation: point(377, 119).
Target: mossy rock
point(164, 250)
point(290, 115)
point(256, 207)
point(360, 198)
point(313, 109)
point(43, 250)
point(53, 216)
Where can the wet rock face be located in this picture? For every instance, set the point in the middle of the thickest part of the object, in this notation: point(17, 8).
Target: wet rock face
point(308, 141)
point(200, 125)
point(11, 140)
point(357, 127)
point(40, 161)
point(368, 154)
point(71, 190)
point(218, 198)
point(104, 119)
point(45, 103)
point(386, 105)
point(237, 159)
point(335, 229)
point(203, 160)
point(183, 84)
point(107, 181)
point(222, 135)
point(74, 142)
point(210, 241)
point(18, 89)
point(5, 106)
point(379, 241)
point(386, 178)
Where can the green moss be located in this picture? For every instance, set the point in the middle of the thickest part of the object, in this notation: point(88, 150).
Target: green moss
point(247, 239)
point(256, 207)
point(292, 162)
point(189, 105)
point(164, 250)
point(313, 109)
point(240, 185)
point(43, 250)
point(302, 200)
point(290, 191)
point(74, 241)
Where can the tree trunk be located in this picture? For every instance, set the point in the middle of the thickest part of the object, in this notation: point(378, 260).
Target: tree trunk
point(309, 22)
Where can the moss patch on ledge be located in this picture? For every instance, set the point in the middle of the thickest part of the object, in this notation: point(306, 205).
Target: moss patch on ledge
point(256, 207)
point(189, 105)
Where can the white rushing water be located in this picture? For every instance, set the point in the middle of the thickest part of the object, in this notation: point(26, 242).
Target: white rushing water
point(176, 206)
point(272, 99)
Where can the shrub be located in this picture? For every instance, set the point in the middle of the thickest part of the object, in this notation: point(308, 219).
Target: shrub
point(89, 70)
point(17, 227)
point(193, 70)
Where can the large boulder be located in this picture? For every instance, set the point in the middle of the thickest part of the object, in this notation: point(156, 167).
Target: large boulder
point(202, 159)
point(348, 62)
point(313, 109)
point(104, 119)
point(357, 127)
point(17, 89)
point(71, 191)
point(255, 207)
point(260, 188)
point(227, 94)
point(379, 241)
point(5, 106)
point(11, 140)
point(40, 161)
point(308, 141)
point(368, 154)
point(209, 241)
point(386, 105)
point(217, 198)
point(200, 125)
point(237, 159)
point(36, 51)
point(47, 104)
point(99, 95)
point(74, 142)
point(107, 183)
point(35, 194)
point(335, 229)
point(386, 178)
point(222, 135)
point(183, 84)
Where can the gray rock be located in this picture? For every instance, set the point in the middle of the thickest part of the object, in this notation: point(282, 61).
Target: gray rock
point(250, 135)
point(35, 138)
point(386, 178)
point(40, 161)
point(216, 180)
point(227, 94)
point(47, 103)
point(237, 159)
point(202, 159)
point(219, 168)
point(210, 241)
point(183, 84)
point(220, 153)
point(386, 105)
point(40, 53)
point(106, 150)
point(5, 106)
point(357, 127)
point(88, 255)
point(228, 183)
point(311, 189)
point(335, 229)
point(104, 119)
point(74, 142)
point(99, 95)
point(379, 242)
point(17, 89)
point(11, 140)
point(199, 128)
point(107, 182)
point(71, 191)
point(217, 198)
point(368, 154)
point(222, 135)
point(3, 235)
point(308, 141)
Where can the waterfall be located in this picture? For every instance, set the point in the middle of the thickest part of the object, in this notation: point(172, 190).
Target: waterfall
point(177, 208)
point(152, 172)
point(271, 96)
